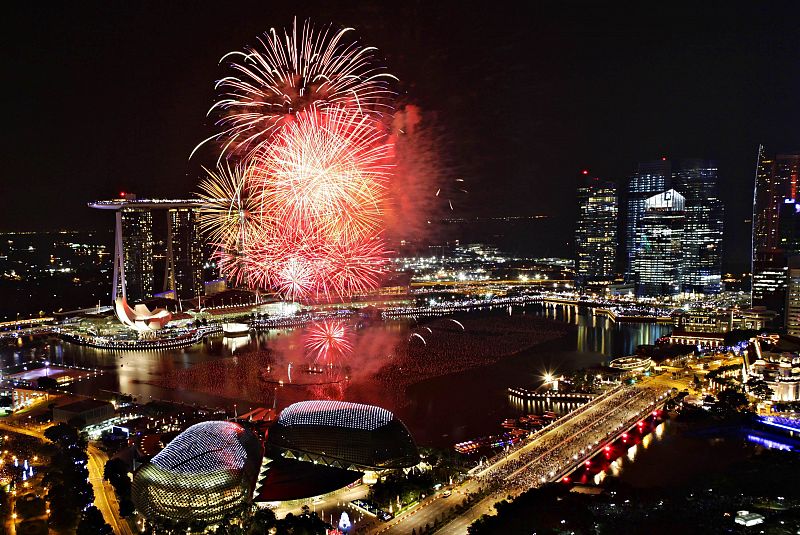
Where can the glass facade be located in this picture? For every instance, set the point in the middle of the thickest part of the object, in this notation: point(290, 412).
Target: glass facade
point(596, 231)
point(649, 179)
point(345, 435)
point(187, 252)
point(696, 180)
point(659, 260)
point(205, 474)
point(137, 244)
point(793, 297)
point(774, 221)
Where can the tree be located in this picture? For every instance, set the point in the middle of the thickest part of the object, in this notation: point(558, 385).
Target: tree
point(760, 389)
point(263, 520)
point(47, 383)
point(92, 523)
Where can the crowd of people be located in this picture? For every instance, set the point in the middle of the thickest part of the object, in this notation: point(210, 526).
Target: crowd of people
point(540, 460)
point(446, 345)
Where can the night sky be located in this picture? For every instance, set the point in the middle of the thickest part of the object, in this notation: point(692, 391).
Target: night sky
point(103, 97)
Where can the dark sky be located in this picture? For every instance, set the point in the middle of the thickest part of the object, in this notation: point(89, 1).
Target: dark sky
point(110, 96)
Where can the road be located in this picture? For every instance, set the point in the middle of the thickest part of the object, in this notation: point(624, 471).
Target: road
point(104, 498)
point(538, 461)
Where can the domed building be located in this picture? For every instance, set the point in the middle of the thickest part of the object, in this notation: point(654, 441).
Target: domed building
point(344, 435)
point(205, 474)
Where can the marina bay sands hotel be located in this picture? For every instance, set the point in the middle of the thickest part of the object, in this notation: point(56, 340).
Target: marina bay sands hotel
point(136, 247)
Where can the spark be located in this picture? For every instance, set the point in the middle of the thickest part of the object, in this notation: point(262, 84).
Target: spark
point(301, 69)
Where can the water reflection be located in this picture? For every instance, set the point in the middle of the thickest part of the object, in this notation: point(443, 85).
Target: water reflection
point(222, 371)
point(599, 334)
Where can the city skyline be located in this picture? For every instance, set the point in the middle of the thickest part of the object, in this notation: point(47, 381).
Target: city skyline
point(736, 51)
point(355, 268)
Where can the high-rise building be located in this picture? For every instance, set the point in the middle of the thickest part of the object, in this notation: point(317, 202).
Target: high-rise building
point(137, 244)
point(659, 259)
point(774, 221)
point(185, 251)
point(649, 179)
point(596, 232)
point(696, 180)
point(793, 297)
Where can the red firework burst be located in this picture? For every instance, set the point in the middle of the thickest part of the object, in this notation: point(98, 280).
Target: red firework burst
point(304, 69)
point(314, 223)
point(329, 342)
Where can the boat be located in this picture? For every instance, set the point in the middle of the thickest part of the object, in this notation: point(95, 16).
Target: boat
point(235, 329)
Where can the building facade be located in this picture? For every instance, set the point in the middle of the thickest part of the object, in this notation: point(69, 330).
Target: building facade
point(792, 321)
point(696, 180)
point(185, 275)
point(649, 179)
point(138, 246)
point(206, 474)
point(596, 231)
point(658, 264)
point(774, 221)
point(344, 435)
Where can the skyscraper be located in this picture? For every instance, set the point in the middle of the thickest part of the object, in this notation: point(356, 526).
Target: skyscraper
point(659, 260)
point(774, 214)
point(649, 179)
point(793, 297)
point(134, 245)
point(696, 180)
point(137, 244)
point(596, 232)
point(185, 274)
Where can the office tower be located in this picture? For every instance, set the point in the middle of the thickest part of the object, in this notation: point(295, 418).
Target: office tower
point(137, 244)
point(793, 297)
point(649, 179)
point(774, 215)
point(184, 253)
point(696, 180)
point(596, 232)
point(659, 260)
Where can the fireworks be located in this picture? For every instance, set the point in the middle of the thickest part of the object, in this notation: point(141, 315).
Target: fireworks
point(303, 212)
point(305, 69)
point(328, 341)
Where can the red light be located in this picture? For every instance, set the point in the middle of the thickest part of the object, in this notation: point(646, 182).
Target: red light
point(588, 463)
point(121, 193)
point(624, 436)
point(663, 158)
point(566, 480)
point(640, 423)
point(608, 448)
point(585, 171)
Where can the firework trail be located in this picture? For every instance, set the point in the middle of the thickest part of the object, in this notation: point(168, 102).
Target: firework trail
point(418, 336)
point(299, 70)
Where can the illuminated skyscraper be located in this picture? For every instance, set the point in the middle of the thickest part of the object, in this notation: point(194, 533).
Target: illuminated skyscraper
point(659, 260)
point(184, 253)
point(696, 180)
point(137, 244)
point(649, 179)
point(774, 221)
point(793, 297)
point(596, 232)
point(134, 245)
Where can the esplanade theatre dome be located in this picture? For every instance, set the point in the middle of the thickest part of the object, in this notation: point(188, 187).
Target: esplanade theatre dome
point(205, 473)
point(346, 435)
